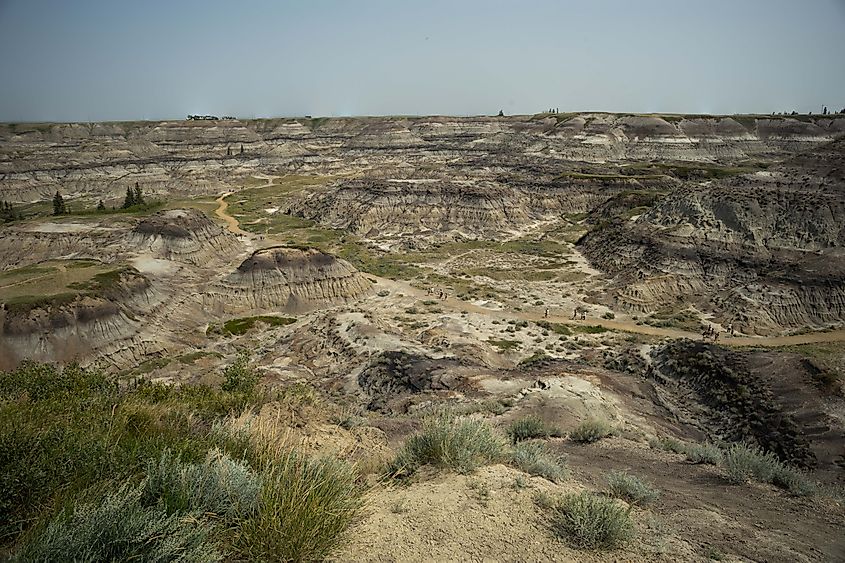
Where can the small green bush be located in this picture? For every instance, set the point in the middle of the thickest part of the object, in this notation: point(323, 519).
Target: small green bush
point(120, 528)
point(219, 485)
point(531, 427)
point(459, 444)
point(305, 507)
point(535, 459)
point(240, 377)
point(590, 521)
point(709, 454)
point(591, 431)
point(631, 488)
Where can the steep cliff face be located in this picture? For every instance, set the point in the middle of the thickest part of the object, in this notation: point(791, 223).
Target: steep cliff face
point(183, 235)
point(180, 157)
point(764, 251)
point(287, 279)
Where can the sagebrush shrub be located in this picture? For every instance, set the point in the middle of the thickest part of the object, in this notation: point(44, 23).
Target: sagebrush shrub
point(531, 427)
point(219, 485)
point(591, 431)
point(631, 488)
point(460, 444)
point(590, 521)
point(120, 528)
point(743, 463)
point(535, 459)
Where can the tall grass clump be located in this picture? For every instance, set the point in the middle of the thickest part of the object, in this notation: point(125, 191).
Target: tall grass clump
point(591, 430)
point(631, 488)
point(219, 485)
point(305, 505)
point(459, 444)
point(709, 454)
point(119, 527)
point(531, 427)
point(590, 521)
point(535, 459)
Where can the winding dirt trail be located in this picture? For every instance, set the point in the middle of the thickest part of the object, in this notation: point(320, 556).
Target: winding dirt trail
point(764, 341)
point(231, 223)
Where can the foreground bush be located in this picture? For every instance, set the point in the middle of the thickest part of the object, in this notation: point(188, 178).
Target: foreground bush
point(531, 427)
point(63, 431)
point(590, 521)
point(535, 459)
point(459, 444)
point(631, 488)
point(591, 431)
point(220, 486)
point(305, 506)
point(120, 528)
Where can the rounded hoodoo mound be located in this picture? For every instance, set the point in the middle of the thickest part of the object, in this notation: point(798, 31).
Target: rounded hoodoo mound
point(184, 234)
point(290, 278)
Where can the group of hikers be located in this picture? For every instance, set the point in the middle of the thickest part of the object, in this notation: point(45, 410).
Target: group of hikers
point(442, 295)
point(713, 333)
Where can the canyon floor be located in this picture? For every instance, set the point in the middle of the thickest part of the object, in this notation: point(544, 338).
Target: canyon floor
point(565, 267)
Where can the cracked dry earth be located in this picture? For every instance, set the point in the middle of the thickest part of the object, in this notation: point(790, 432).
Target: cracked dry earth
point(446, 262)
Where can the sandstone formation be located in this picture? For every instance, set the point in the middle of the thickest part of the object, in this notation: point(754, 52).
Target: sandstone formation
point(288, 279)
point(183, 235)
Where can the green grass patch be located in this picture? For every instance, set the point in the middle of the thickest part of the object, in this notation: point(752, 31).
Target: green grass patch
point(535, 458)
point(504, 345)
point(239, 326)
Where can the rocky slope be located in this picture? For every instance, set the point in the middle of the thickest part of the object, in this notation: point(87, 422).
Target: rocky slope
point(763, 251)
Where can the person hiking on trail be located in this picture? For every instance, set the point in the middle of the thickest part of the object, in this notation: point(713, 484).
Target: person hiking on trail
point(715, 335)
point(583, 314)
point(730, 329)
point(575, 313)
point(546, 314)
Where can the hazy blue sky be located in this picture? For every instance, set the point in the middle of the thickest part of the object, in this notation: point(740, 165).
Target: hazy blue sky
point(120, 59)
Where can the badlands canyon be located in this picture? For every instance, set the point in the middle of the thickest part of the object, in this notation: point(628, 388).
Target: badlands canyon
point(677, 278)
